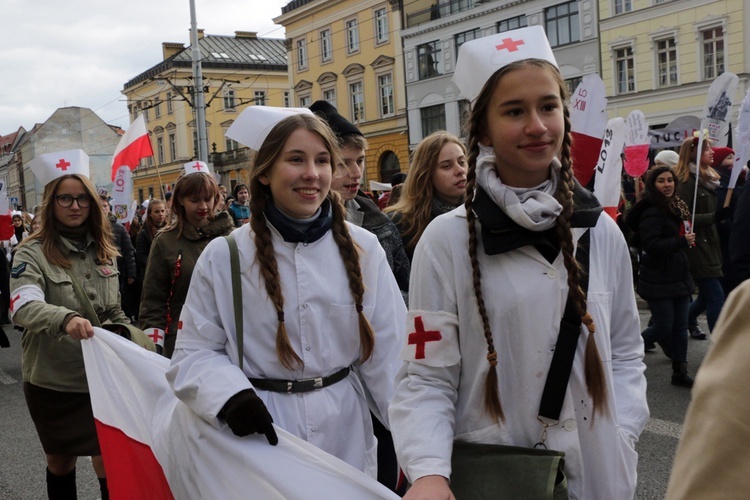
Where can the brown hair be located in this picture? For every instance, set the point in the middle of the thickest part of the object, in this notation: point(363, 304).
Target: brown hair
point(689, 155)
point(49, 233)
point(260, 196)
point(147, 222)
point(415, 203)
point(477, 125)
point(200, 184)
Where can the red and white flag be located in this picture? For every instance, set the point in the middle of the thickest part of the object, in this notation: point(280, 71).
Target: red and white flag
point(588, 121)
point(608, 180)
point(156, 447)
point(133, 146)
point(637, 144)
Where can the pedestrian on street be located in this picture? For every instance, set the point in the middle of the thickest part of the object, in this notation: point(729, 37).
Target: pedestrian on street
point(324, 317)
point(705, 256)
point(174, 252)
point(75, 239)
point(238, 208)
point(661, 222)
point(489, 285)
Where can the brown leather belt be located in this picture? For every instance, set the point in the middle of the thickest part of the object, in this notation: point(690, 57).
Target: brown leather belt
point(297, 386)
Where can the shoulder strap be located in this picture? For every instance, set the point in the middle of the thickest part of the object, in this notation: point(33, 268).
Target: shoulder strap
point(234, 262)
point(553, 395)
point(85, 302)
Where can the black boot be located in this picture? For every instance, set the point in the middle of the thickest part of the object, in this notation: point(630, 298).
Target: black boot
point(664, 344)
point(62, 487)
point(103, 488)
point(680, 376)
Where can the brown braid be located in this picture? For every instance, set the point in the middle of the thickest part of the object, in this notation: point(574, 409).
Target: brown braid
point(269, 269)
point(593, 371)
point(350, 257)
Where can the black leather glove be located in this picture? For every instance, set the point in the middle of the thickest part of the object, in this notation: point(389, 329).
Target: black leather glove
point(245, 413)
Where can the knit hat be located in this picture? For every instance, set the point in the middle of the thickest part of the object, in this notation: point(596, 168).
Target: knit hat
point(667, 157)
point(720, 155)
point(340, 125)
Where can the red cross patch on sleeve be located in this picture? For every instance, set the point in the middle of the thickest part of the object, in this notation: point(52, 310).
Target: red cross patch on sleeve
point(431, 338)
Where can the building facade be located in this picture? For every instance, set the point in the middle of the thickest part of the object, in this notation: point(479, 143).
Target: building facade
point(348, 52)
point(238, 71)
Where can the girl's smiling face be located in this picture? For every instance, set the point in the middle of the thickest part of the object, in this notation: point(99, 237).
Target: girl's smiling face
point(525, 125)
point(300, 178)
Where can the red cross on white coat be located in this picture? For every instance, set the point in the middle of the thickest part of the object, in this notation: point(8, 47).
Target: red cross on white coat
point(420, 337)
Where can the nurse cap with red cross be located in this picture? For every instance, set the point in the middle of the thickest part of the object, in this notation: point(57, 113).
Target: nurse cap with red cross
point(479, 59)
point(49, 166)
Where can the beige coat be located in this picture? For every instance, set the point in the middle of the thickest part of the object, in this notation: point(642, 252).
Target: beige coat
point(712, 460)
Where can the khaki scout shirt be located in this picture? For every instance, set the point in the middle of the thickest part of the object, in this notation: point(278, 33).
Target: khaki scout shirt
point(42, 295)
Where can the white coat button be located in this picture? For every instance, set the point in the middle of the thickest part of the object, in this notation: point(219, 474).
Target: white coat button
point(569, 425)
point(304, 306)
point(552, 274)
point(314, 429)
point(308, 348)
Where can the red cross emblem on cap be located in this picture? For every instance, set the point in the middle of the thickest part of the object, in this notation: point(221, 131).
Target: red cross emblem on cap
point(198, 166)
point(509, 44)
point(420, 337)
point(155, 336)
point(62, 164)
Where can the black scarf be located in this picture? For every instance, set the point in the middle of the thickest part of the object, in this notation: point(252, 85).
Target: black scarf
point(291, 234)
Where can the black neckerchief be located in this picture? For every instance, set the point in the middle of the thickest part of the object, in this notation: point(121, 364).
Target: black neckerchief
point(293, 235)
point(501, 234)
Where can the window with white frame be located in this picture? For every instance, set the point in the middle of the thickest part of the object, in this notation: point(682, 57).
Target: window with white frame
point(464, 37)
point(195, 142)
point(330, 96)
point(352, 36)
point(433, 119)
point(666, 62)
point(305, 101)
point(169, 103)
point(326, 49)
point(712, 47)
point(157, 108)
point(145, 113)
point(230, 144)
point(160, 149)
point(561, 23)
point(512, 24)
point(286, 99)
point(385, 89)
point(622, 6)
point(301, 54)
point(172, 147)
point(259, 97)
point(357, 102)
point(381, 25)
point(573, 83)
point(624, 70)
point(428, 57)
point(229, 104)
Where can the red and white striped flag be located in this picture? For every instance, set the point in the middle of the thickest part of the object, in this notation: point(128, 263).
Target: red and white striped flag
point(155, 447)
point(133, 146)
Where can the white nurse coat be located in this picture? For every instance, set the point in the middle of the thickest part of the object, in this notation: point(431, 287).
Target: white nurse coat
point(322, 325)
point(439, 389)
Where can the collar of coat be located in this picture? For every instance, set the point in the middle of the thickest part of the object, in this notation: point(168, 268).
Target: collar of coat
point(220, 225)
point(501, 234)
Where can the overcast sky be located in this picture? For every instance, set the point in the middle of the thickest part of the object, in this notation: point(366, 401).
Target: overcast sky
point(81, 52)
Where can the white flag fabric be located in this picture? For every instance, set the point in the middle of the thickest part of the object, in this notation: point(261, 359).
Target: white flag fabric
point(742, 141)
point(588, 121)
point(608, 180)
point(155, 447)
point(122, 195)
point(637, 144)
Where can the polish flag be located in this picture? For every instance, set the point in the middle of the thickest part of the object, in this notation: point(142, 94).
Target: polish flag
point(133, 146)
point(154, 446)
point(608, 178)
point(588, 121)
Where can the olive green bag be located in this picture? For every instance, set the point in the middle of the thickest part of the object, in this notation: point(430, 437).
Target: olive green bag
point(125, 330)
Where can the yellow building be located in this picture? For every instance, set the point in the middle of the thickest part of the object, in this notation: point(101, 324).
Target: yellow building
point(238, 71)
point(661, 56)
point(348, 52)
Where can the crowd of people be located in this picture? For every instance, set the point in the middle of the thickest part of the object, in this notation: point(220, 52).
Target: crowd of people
point(429, 318)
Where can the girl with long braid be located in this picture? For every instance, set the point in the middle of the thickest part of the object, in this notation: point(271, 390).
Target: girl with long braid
point(489, 286)
point(324, 318)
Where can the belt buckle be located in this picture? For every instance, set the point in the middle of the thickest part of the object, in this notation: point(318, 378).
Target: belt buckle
point(305, 385)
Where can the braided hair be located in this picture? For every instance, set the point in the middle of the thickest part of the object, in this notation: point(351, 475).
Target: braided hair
point(476, 126)
point(260, 197)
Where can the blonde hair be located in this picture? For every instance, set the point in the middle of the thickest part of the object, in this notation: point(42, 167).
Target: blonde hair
point(49, 232)
point(476, 128)
point(415, 202)
point(260, 196)
point(688, 155)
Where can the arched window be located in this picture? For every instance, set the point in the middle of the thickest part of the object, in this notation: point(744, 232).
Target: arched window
point(389, 165)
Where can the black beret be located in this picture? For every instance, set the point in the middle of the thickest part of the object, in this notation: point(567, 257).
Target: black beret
point(340, 125)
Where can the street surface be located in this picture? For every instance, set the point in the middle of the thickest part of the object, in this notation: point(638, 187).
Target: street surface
point(22, 464)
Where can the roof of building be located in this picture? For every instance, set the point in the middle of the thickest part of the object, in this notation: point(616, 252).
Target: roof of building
point(244, 51)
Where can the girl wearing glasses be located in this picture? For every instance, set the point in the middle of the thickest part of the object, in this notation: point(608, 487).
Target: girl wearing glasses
point(74, 239)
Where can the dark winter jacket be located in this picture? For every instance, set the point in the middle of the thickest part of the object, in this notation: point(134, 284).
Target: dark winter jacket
point(165, 289)
point(664, 270)
point(439, 207)
point(739, 238)
point(142, 248)
point(239, 213)
point(370, 217)
point(126, 260)
point(705, 256)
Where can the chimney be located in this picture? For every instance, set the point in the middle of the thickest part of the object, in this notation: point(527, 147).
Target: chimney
point(246, 34)
point(171, 48)
point(200, 33)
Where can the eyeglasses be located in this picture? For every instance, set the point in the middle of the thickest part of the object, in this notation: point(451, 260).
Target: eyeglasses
point(66, 201)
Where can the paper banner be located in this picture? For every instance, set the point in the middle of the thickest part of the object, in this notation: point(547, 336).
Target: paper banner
point(637, 144)
point(588, 120)
point(609, 166)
